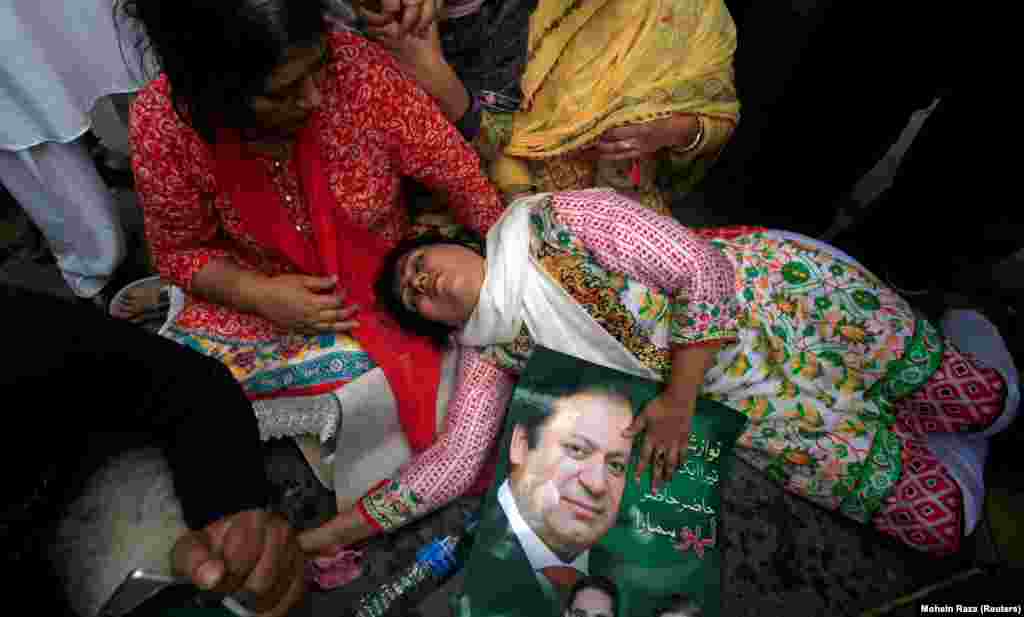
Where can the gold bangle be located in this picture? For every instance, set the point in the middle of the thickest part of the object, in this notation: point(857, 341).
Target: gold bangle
point(696, 140)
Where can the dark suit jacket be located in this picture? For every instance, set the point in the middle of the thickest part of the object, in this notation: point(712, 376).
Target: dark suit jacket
point(499, 578)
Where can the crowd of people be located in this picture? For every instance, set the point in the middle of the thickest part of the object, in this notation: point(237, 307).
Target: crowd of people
point(400, 209)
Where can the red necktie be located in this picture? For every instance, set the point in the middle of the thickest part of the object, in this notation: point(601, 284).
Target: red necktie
point(562, 577)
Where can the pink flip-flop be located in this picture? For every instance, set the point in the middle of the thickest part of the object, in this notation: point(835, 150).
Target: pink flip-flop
point(335, 571)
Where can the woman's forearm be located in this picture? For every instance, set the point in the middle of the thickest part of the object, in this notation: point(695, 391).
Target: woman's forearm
point(689, 365)
point(223, 282)
point(440, 81)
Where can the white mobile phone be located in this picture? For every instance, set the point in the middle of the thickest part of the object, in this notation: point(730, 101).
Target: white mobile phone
point(140, 585)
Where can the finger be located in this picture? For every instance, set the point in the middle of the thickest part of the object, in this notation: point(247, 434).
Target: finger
point(335, 314)
point(411, 16)
point(646, 452)
point(637, 427)
point(624, 132)
point(193, 557)
point(243, 547)
point(626, 155)
point(377, 20)
point(672, 459)
point(684, 446)
point(319, 283)
point(296, 590)
point(315, 541)
point(661, 472)
point(271, 577)
point(428, 16)
point(345, 326)
point(326, 303)
point(273, 559)
point(390, 6)
point(616, 146)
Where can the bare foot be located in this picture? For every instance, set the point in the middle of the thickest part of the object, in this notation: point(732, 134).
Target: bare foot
point(142, 300)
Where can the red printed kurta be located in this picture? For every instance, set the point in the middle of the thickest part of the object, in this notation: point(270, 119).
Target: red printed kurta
point(381, 127)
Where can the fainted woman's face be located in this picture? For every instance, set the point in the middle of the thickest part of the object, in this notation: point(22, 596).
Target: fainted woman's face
point(292, 91)
point(441, 282)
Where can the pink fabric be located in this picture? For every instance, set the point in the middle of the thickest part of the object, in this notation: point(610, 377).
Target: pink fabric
point(449, 467)
point(624, 236)
point(335, 571)
point(925, 509)
point(961, 396)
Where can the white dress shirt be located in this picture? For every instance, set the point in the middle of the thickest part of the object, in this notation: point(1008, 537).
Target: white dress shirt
point(537, 553)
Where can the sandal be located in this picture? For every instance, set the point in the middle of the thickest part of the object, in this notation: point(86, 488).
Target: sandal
point(335, 571)
point(156, 300)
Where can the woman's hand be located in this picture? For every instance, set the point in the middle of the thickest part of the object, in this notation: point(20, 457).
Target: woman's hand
point(638, 141)
point(305, 304)
point(346, 528)
point(399, 18)
point(252, 552)
point(419, 56)
point(667, 421)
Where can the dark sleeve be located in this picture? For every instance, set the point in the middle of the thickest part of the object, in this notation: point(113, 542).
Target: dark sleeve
point(469, 123)
point(101, 375)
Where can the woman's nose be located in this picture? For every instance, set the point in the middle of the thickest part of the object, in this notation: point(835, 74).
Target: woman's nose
point(311, 96)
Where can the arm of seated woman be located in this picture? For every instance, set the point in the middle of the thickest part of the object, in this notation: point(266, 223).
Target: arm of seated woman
point(294, 302)
point(438, 476)
point(423, 60)
point(429, 149)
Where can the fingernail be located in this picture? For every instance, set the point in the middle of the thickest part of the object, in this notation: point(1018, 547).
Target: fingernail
point(208, 574)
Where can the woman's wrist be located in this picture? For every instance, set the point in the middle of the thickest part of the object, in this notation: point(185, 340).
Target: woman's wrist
point(250, 290)
point(690, 133)
point(681, 394)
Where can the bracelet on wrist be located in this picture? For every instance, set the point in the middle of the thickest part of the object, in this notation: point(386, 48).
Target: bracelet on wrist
point(693, 145)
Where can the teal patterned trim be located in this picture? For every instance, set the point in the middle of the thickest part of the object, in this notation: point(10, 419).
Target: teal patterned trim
point(332, 368)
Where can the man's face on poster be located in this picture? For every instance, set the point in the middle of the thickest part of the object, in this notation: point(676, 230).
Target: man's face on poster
point(569, 485)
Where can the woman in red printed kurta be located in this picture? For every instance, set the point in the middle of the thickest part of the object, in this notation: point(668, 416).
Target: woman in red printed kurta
point(275, 229)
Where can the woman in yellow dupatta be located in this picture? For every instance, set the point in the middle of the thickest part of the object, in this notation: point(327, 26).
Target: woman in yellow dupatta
point(637, 95)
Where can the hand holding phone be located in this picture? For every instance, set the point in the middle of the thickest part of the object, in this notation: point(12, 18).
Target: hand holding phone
point(140, 586)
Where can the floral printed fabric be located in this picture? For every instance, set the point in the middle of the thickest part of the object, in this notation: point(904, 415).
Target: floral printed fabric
point(389, 505)
point(821, 358)
point(288, 366)
point(670, 289)
point(822, 349)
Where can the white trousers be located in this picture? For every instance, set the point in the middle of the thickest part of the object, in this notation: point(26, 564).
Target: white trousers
point(59, 188)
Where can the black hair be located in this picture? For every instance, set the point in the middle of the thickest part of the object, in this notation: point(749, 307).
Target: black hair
point(535, 408)
point(389, 297)
point(218, 54)
point(601, 583)
point(680, 603)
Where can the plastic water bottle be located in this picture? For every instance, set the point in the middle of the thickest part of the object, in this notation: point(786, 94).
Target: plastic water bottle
point(436, 561)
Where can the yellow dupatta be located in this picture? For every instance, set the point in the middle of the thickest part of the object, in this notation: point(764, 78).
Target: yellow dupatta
point(598, 64)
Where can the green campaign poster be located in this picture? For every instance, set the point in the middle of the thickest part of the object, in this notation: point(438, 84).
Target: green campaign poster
point(570, 480)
